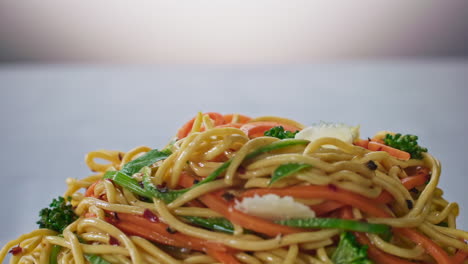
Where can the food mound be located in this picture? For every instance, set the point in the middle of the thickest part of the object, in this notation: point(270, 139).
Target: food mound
point(234, 189)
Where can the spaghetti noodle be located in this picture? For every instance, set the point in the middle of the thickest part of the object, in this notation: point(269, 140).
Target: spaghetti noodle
point(187, 203)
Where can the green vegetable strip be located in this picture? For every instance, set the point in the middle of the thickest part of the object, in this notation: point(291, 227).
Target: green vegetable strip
point(286, 170)
point(216, 224)
point(167, 196)
point(350, 225)
point(148, 159)
point(349, 251)
point(95, 259)
point(126, 181)
point(54, 251)
point(277, 145)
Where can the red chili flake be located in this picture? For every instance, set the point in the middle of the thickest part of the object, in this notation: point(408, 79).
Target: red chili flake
point(113, 241)
point(333, 187)
point(16, 250)
point(150, 216)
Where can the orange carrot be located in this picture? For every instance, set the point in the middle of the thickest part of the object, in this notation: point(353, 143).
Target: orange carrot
point(323, 192)
point(216, 203)
point(223, 257)
point(364, 143)
point(430, 246)
point(399, 154)
point(159, 232)
point(236, 125)
point(242, 119)
point(90, 191)
point(414, 181)
point(421, 177)
point(185, 129)
point(459, 257)
point(90, 215)
point(326, 207)
point(257, 129)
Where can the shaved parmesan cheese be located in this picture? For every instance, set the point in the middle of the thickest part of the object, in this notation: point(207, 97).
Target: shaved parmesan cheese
point(340, 131)
point(273, 207)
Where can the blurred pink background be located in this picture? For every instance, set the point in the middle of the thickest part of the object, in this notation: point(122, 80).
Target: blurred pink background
point(230, 32)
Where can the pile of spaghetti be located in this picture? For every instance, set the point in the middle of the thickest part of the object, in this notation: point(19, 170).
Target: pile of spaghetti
point(231, 189)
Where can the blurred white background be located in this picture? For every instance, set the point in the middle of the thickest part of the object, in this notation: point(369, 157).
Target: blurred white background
point(230, 32)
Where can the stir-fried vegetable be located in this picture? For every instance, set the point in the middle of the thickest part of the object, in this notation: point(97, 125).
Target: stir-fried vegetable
point(58, 216)
point(279, 132)
point(349, 225)
point(407, 143)
point(349, 251)
point(213, 223)
point(286, 170)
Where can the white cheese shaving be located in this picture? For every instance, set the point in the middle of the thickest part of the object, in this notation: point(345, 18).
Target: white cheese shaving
point(340, 131)
point(273, 207)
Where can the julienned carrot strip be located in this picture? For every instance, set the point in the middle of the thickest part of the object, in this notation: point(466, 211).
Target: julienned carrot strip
point(257, 129)
point(459, 257)
point(399, 154)
point(216, 203)
point(323, 192)
point(414, 181)
point(159, 232)
point(241, 119)
point(326, 207)
point(364, 143)
point(90, 191)
point(430, 246)
point(223, 257)
point(236, 125)
point(185, 129)
point(374, 253)
point(421, 177)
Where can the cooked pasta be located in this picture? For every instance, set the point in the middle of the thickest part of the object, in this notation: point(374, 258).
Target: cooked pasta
point(231, 189)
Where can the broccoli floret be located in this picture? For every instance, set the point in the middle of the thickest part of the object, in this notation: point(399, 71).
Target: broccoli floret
point(58, 216)
point(408, 143)
point(279, 132)
point(349, 251)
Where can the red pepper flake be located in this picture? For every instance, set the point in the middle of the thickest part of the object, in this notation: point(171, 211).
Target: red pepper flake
point(333, 187)
point(16, 250)
point(150, 216)
point(113, 241)
point(241, 170)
